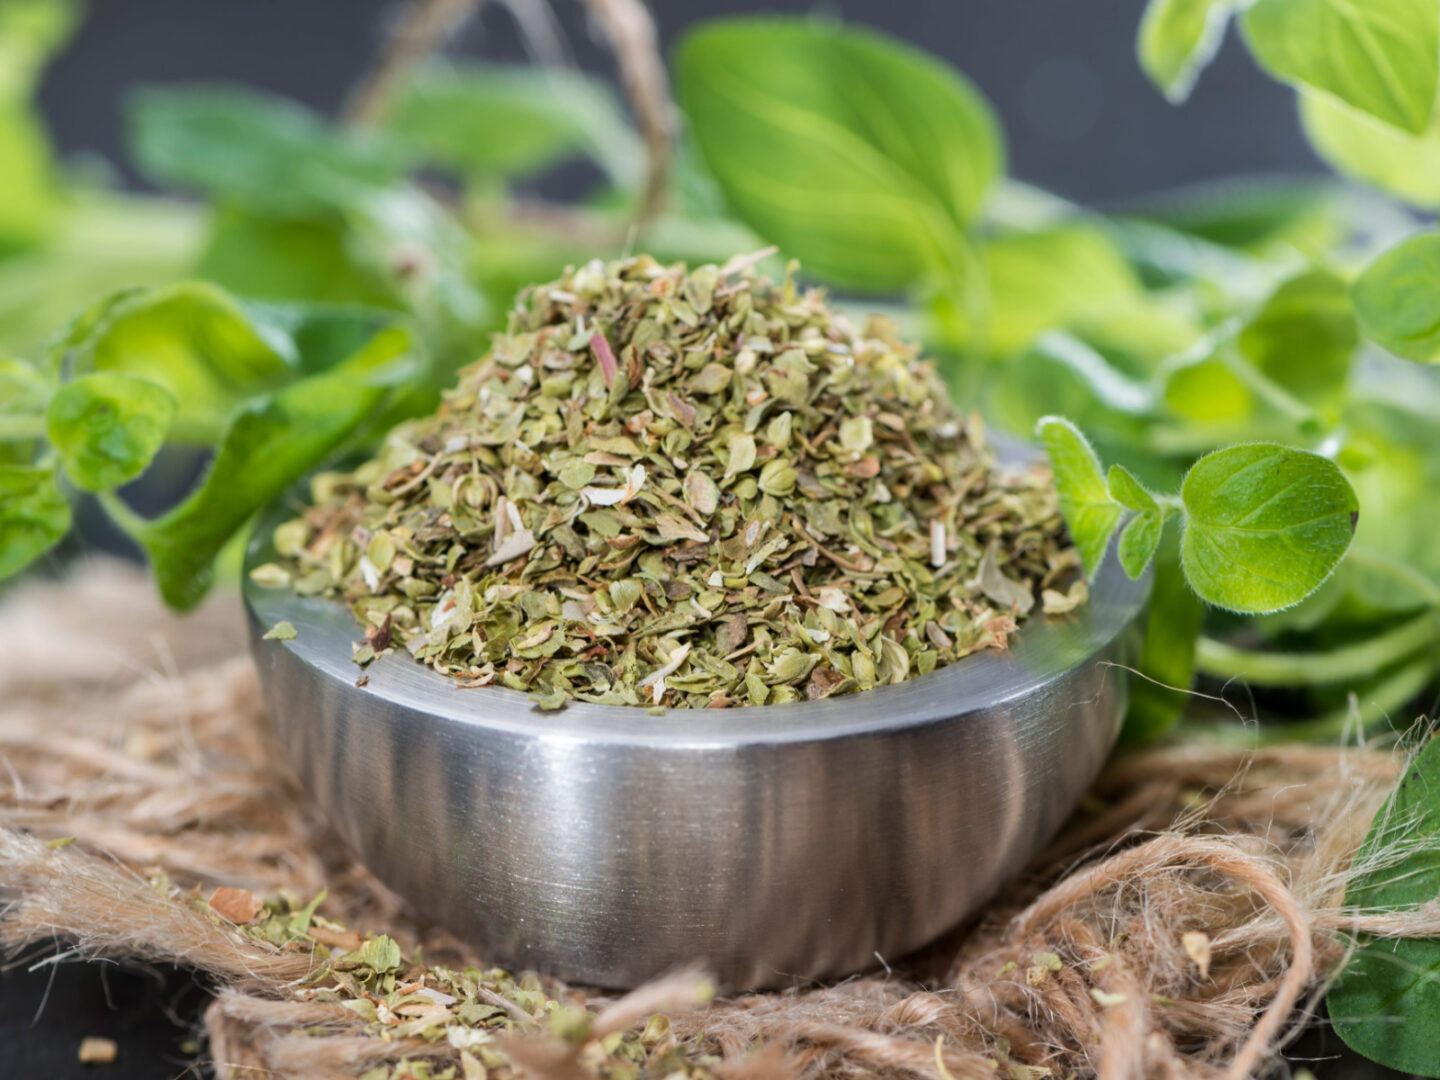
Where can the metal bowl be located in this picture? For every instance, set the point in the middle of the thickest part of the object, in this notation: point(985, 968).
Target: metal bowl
point(607, 845)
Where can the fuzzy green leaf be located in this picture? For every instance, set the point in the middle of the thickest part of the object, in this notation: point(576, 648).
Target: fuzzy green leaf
point(1354, 143)
point(1397, 298)
point(33, 515)
point(1386, 1003)
point(1128, 491)
point(270, 442)
point(1068, 275)
point(1303, 338)
point(1139, 540)
point(257, 149)
point(1379, 56)
point(1090, 513)
point(30, 33)
point(108, 427)
point(861, 156)
point(193, 339)
point(1265, 525)
point(493, 120)
point(1178, 38)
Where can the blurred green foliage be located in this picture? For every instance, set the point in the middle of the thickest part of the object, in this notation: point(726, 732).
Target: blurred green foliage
point(1232, 314)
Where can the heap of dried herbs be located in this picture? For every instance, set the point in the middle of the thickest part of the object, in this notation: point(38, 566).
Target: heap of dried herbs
point(686, 489)
point(464, 1023)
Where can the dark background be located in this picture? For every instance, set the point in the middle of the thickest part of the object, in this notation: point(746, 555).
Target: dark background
point(1081, 118)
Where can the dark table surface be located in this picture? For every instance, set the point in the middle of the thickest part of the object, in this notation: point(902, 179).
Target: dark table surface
point(153, 1014)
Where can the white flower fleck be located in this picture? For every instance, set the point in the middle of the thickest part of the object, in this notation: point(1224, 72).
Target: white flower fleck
point(370, 573)
point(656, 679)
point(634, 484)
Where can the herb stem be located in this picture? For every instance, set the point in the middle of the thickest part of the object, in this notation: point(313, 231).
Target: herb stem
point(131, 523)
point(630, 31)
point(1222, 661)
point(420, 30)
point(1364, 711)
point(21, 427)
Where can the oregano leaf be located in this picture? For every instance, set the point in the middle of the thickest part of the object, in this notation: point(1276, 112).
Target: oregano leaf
point(1397, 298)
point(268, 444)
point(1386, 1002)
point(1379, 56)
point(1353, 144)
point(1090, 513)
point(860, 155)
point(1303, 338)
point(34, 515)
point(1128, 491)
point(1265, 525)
point(1178, 38)
point(108, 426)
point(1139, 540)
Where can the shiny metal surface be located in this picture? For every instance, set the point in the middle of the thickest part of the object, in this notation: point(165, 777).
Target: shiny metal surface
point(607, 845)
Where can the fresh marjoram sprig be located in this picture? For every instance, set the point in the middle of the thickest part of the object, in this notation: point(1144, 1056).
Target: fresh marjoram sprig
point(1262, 525)
point(681, 488)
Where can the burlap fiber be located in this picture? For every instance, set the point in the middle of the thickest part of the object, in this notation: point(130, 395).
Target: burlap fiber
point(1180, 926)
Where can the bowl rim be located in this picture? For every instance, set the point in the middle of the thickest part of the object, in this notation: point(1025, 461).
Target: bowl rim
point(1043, 649)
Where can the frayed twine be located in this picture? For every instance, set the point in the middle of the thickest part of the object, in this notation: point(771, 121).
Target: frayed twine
point(1179, 927)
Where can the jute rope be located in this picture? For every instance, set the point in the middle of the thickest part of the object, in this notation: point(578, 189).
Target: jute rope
point(1179, 927)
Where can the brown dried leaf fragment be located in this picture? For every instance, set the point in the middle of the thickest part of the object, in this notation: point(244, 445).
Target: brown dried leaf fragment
point(239, 906)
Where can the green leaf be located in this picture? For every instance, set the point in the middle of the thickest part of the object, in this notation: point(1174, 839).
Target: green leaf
point(1392, 458)
point(1167, 657)
point(1379, 56)
point(306, 259)
point(1139, 540)
point(1062, 375)
point(499, 121)
point(1397, 298)
point(1354, 143)
point(270, 442)
point(1205, 391)
point(1255, 214)
point(259, 150)
point(1304, 337)
point(380, 953)
point(1141, 537)
point(108, 426)
point(1386, 1002)
point(23, 389)
point(103, 242)
point(861, 156)
point(211, 351)
point(1068, 276)
point(196, 341)
point(30, 32)
point(277, 160)
point(1178, 38)
point(1128, 491)
point(1085, 500)
point(1223, 396)
point(34, 515)
point(1265, 525)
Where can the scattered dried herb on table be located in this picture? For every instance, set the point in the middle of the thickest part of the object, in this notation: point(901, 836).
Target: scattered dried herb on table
point(456, 1023)
point(685, 489)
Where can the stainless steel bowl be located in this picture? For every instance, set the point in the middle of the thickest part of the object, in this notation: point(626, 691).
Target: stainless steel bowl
point(607, 845)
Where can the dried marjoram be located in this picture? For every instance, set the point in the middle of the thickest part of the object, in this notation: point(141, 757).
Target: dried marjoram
point(685, 489)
